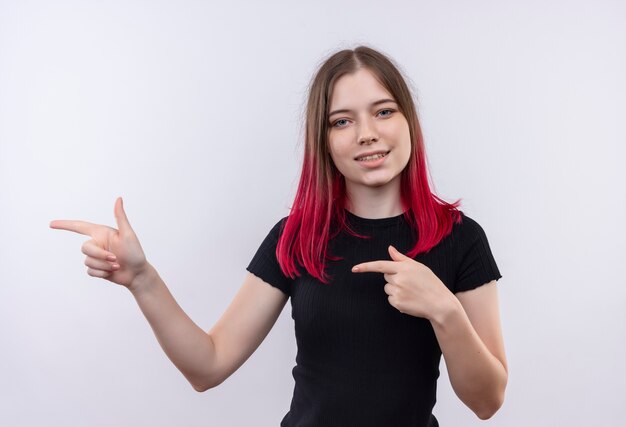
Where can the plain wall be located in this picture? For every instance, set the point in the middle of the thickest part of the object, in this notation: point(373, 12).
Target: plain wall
point(192, 111)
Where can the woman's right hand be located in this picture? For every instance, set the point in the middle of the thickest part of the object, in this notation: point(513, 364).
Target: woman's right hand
point(112, 254)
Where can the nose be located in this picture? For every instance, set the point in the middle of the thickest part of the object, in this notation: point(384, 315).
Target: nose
point(368, 134)
point(367, 140)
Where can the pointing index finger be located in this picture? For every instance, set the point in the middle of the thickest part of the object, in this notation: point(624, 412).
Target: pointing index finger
point(375, 266)
point(80, 227)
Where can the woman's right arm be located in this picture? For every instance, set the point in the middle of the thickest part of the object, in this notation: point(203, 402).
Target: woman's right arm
point(205, 359)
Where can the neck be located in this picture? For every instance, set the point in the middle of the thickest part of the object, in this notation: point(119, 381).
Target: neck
point(375, 202)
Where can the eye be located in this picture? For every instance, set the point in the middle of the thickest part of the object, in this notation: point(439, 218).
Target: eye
point(337, 124)
point(338, 121)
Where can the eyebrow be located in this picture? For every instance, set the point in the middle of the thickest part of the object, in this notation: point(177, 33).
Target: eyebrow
point(380, 101)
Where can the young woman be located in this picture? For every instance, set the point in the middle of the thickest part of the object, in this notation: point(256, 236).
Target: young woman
point(384, 277)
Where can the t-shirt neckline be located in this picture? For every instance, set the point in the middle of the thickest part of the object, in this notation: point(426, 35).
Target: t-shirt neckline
point(376, 222)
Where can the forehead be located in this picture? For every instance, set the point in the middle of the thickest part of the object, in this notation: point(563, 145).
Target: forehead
point(358, 88)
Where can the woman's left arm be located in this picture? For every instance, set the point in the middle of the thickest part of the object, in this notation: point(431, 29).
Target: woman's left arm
point(467, 326)
point(470, 336)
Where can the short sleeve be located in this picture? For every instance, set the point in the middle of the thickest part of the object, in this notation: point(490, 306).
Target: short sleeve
point(476, 265)
point(264, 263)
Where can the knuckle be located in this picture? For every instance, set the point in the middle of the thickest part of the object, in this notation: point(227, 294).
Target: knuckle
point(422, 267)
point(97, 273)
point(86, 247)
point(94, 264)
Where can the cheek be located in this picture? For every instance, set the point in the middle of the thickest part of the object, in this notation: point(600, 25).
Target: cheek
point(407, 152)
point(406, 141)
point(339, 150)
point(341, 162)
point(404, 148)
point(335, 157)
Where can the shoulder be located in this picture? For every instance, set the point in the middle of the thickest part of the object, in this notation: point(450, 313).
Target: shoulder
point(468, 229)
point(278, 228)
point(474, 261)
point(467, 221)
point(273, 235)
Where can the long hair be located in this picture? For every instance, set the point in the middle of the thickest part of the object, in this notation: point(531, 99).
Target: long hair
point(317, 213)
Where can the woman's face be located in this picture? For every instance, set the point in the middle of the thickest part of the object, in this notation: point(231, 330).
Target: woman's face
point(364, 118)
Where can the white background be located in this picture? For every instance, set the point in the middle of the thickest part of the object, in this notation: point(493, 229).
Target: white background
point(192, 112)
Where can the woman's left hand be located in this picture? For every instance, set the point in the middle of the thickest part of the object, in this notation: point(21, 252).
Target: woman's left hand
point(412, 287)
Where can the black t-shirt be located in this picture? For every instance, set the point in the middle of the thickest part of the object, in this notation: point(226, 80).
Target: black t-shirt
point(360, 362)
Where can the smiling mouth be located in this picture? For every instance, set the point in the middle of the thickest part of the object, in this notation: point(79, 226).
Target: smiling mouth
point(373, 157)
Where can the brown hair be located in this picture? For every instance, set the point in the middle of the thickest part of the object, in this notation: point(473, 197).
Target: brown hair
point(321, 196)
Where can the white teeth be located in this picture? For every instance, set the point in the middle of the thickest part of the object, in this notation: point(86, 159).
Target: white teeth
point(374, 157)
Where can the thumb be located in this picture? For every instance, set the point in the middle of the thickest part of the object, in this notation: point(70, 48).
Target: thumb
point(397, 255)
point(120, 217)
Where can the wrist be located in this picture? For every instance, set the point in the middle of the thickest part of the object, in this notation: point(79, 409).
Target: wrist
point(144, 280)
point(448, 308)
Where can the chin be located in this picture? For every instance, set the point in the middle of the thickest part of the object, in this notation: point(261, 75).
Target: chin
point(376, 183)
